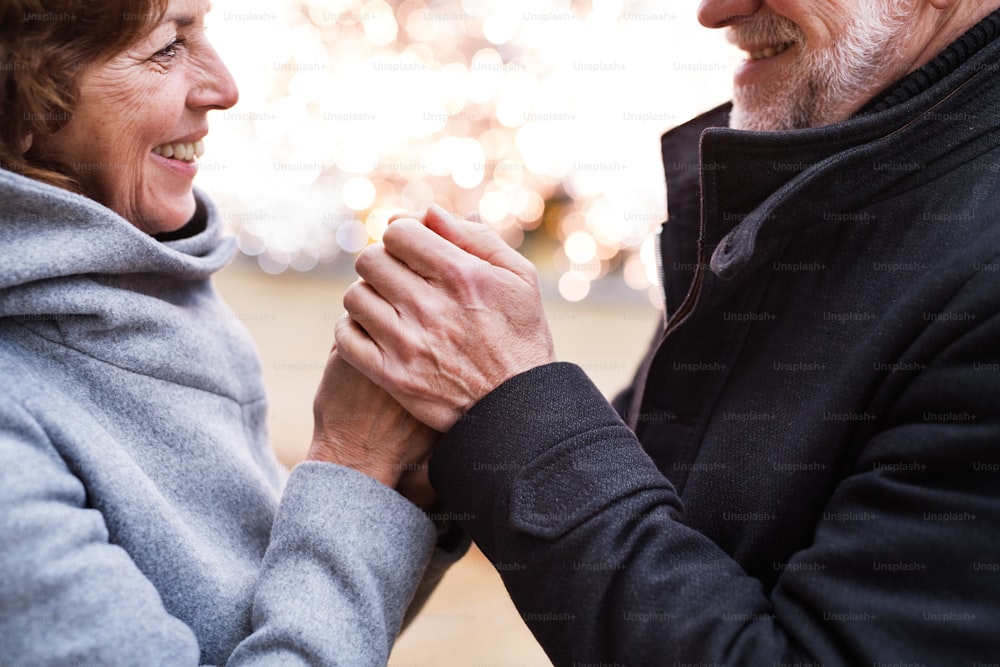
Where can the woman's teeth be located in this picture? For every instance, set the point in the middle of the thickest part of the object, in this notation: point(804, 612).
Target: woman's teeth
point(183, 152)
point(770, 51)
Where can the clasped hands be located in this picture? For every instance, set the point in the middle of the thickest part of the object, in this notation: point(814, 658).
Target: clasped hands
point(443, 312)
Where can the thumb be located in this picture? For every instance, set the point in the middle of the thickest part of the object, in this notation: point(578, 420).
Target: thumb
point(477, 239)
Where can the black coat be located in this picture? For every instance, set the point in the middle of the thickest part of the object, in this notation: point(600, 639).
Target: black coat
point(814, 473)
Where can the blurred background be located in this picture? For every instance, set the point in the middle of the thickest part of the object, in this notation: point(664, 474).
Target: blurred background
point(541, 117)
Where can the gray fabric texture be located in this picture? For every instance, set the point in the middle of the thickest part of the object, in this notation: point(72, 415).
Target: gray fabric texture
point(143, 517)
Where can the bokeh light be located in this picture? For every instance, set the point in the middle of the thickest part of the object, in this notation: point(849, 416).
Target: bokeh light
point(540, 117)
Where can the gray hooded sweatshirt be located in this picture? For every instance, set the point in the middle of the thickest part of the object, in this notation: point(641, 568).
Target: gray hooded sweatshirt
point(143, 517)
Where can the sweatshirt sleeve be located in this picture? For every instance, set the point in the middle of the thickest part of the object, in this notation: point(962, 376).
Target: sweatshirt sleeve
point(345, 557)
point(604, 570)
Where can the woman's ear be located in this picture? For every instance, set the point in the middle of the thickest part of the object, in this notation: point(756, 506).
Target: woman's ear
point(26, 142)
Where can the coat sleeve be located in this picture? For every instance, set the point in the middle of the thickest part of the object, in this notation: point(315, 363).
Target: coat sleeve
point(333, 586)
point(600, 563)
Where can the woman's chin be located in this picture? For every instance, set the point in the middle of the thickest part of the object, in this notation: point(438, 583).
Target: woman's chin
point(166, 216)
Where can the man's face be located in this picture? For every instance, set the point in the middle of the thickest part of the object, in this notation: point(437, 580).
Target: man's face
point(813, 62)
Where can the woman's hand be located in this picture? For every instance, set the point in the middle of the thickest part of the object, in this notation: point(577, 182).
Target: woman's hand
point(415, 486)
point(360, 426)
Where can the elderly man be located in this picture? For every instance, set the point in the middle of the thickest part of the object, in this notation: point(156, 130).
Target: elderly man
point(805, 468)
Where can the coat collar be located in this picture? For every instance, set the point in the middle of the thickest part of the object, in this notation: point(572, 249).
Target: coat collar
point(758, 184)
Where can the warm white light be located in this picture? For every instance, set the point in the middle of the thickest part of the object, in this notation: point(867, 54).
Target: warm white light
point(494, 207)
point(352, 236)
point(635, 273)
point(468, 162)
point(528, 206)
point(574, 286)
point(379, 21)
point(504, 108)
point(249, 243)
point(417, 196)
point(476, 7)
point(499, 27)
point(358, 193)
point(485, 74)
point(580, 247)
point(377, 223)
point(304, 261)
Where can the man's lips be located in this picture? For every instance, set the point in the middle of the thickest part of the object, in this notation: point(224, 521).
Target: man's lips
point(761, 61)
point(764, 52)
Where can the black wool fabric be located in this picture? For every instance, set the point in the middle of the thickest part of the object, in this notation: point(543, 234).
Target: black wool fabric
point(805, 468)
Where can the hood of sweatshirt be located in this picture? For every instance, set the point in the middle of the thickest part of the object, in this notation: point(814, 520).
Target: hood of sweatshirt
point(77, 274)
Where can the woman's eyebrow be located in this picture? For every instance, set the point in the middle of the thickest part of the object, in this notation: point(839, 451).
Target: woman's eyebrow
point(186, 20)
point(182, 21)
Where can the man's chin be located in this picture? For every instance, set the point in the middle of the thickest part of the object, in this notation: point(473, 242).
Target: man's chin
point(795, 105)
point(757, 120)
point(759, 108)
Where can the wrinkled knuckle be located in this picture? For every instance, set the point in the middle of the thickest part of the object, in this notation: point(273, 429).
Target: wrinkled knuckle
point(352, 298)
point(468, 275)
point(367, 321)
point(531, 276)
point(342, 332)
point(486, 232)
point(400, 232)
point(368, 258)
point(407, 348)
point(391, 234)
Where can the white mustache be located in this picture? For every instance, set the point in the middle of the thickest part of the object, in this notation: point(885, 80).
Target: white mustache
point(765, 29)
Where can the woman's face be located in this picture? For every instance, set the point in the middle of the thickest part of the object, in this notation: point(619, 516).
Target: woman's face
point(134, 139)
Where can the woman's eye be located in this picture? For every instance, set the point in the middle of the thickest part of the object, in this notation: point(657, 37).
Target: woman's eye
point(169, 52)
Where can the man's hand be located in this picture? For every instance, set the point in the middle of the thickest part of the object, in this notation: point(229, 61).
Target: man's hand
point(445, 312)
point(360, 426)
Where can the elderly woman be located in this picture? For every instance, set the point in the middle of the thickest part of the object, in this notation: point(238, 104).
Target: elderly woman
point(144, 518)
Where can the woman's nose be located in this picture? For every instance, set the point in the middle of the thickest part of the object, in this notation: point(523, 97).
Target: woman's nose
point(215, 88)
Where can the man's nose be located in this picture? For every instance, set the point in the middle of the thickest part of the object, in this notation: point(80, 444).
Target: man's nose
point(722, 13)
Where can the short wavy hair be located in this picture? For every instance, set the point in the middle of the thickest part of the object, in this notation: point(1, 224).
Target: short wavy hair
point(45, 46)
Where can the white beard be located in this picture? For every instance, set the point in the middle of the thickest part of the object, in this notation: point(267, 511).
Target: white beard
point(822, 86)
